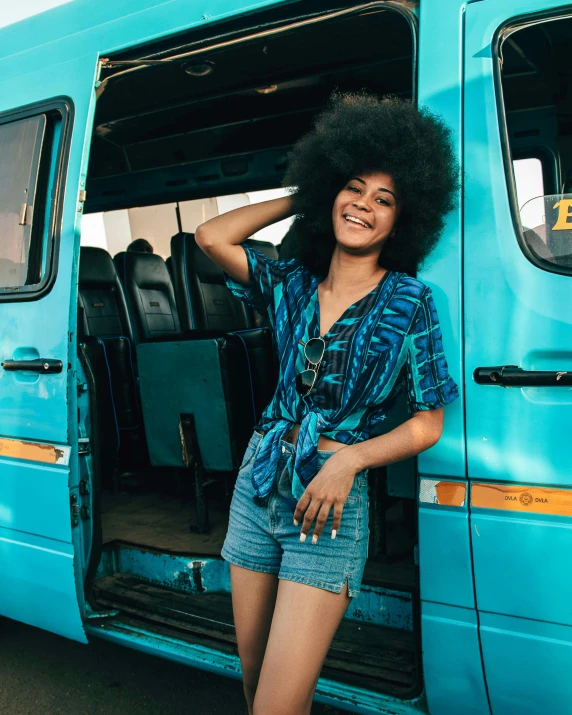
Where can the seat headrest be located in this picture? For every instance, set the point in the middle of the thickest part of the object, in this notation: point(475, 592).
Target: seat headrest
point(96, 266)
point(204, 267)
point(147, 270)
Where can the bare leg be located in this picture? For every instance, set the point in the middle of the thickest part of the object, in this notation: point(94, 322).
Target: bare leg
point(253, 599)
point(304, 623)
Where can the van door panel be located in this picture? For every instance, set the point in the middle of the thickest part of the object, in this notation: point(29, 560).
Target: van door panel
point(39, 548)
point(517, 450)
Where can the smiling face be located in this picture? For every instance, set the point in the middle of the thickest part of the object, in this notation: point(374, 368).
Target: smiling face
point(365, 213)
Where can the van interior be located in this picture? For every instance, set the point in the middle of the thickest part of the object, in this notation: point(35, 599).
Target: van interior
point(175, 370)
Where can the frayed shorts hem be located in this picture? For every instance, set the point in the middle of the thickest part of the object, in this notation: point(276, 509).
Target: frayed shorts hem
point(248, 564)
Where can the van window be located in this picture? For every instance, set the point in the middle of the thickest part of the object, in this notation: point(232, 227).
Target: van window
point(540, 141)
point(21, 205)
point(114, 230)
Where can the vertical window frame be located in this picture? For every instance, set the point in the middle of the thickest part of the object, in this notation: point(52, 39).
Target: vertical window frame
point(52, 205)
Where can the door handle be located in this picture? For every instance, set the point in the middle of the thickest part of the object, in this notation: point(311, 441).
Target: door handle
point(514, 376)
point(41, 365)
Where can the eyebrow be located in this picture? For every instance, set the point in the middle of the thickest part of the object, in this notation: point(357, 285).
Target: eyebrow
point(387, 191)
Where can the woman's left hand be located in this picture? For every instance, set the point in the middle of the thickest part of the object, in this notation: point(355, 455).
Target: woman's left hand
point(328, 489)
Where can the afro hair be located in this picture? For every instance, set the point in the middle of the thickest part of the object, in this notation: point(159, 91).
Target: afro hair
point(359, 134)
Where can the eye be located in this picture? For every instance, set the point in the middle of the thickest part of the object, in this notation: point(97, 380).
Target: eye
point(355, 189)
point(383, 201)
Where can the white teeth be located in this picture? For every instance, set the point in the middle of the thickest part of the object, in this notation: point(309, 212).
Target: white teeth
point(356, 220)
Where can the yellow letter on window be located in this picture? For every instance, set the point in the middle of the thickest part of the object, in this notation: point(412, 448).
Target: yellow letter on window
point(564, 214)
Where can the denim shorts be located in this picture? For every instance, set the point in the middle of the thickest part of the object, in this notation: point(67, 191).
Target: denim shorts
point(262, 537)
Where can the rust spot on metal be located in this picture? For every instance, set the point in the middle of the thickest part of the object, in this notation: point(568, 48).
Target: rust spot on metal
point(451, 493)
point(538, 500)
point(16, 449)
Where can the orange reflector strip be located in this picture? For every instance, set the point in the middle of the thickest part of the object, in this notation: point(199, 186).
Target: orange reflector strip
point(451, 493)
point(434, 491)
point(539, 500)
point(31, 451)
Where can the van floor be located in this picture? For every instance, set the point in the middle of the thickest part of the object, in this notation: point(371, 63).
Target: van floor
point(161, 521)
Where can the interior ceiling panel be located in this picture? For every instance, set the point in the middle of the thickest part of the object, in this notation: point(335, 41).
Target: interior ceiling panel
point(255, 96)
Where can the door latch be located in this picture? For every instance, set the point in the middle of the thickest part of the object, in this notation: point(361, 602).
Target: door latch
point(514, 376)
point(74, 506)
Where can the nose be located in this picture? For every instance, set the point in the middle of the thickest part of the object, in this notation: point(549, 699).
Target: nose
point(361, 204)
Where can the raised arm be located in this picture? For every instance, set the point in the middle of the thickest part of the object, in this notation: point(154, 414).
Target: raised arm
point(220, 238)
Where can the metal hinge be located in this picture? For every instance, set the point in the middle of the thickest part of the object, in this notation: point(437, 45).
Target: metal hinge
point(81, 200)
point(83, 446)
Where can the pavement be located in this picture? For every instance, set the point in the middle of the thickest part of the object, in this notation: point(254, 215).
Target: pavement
point(45, 674)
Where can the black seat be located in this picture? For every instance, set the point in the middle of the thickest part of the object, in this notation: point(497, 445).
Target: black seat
point(203, 300)
point(202, 386)
point(103, 316)
point(205, 303)
point(101, 295)
point(150, 295)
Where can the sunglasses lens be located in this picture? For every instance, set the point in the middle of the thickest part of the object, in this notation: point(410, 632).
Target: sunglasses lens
point(315, 350)
point(305, 381)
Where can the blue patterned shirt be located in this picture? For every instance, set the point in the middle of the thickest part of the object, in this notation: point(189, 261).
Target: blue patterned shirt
point(387, 342)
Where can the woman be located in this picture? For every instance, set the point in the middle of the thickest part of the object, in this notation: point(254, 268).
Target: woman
point(353, 329)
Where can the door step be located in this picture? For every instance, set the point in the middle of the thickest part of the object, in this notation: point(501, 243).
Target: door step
point(370, 656)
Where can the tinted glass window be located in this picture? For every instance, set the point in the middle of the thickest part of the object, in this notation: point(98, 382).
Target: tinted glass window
point(535, 81)
point(21, 210)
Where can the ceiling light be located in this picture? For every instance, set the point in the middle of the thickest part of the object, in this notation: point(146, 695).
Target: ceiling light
point(199, 69)
point(267, 90)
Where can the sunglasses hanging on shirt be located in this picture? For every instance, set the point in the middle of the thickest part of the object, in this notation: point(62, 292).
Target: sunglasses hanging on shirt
point(314, 353)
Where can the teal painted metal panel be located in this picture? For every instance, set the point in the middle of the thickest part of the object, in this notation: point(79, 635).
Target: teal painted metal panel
point(38, 582)
point(452, 665)
point(528, 665)
point(515, 314)
point(439, 88)
point(87, 27)
point(164, 400)
point(34, 499)
point(445, 554)
point(520, 565)
point(451, 637)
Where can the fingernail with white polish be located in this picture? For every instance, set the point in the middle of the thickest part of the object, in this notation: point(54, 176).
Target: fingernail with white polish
point(334, 532)
point(302, 536)
point(296, 522)
point(314, 539)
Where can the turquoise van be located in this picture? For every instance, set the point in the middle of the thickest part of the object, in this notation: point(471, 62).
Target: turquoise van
point(130, 381)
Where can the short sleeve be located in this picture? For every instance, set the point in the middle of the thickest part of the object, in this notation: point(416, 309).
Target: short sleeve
point(429, 385)
point(266, 280)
